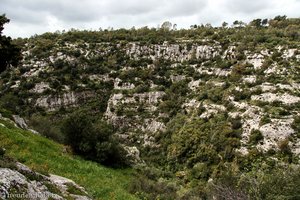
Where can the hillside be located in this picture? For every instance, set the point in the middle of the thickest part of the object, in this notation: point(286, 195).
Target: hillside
point(47, 157)
point(205, 110)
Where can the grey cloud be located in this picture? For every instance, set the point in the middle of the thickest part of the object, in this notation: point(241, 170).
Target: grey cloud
point(183, 8)
point(46, 15)
point(247, 7)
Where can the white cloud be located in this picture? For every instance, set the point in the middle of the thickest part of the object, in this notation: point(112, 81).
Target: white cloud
point(34, 17)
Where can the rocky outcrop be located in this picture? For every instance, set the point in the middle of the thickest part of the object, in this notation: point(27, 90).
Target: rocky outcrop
point(119, 85)
point(69, 99)
point(274, 132)
point(20, 121)
point(271, 97)
point(23, 183)
point(40, 87)
point(256, 60)
point(173, 52)
point(133, 154)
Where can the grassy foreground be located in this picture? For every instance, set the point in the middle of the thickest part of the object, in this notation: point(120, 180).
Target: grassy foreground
point(46, 156)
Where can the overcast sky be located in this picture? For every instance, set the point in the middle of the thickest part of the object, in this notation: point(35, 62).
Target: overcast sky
point(29, 17)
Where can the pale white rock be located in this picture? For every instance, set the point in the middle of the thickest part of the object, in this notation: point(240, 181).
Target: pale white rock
point(63, 183)
point(148, 100)
point(296, 86)
point(54, 102)
point(217, 83)
point(191, 105)
point(250, 118)
point(265, 52)
point(284, 86)
point(153, 126)
point(40, 87)
point(20, 121)
point(222, 72)
point(275, 69)
point(148, 140)
point(32, 189)
point(271, 97)
point(256, 60)
point(230, 53)
point(34, 71)
point(119, 85)
point(277, 130)
point(238, 88)
point(16, 85)
point(211, 109)
point(150, 97)
point(174, 52)
point(98, 78)
point(288, 53)
point(193, 85)
point(267, 87)
point(249, 79)
point(176, 78)
point(213, 71)
point(133, 154)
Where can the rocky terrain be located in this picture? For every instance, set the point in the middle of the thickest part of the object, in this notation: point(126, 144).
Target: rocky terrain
point(125, 102)
point(190, 99)
point(26, 184)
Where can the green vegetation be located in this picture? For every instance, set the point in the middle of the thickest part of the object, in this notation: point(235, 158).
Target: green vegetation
point(46, 156)
point(10, 53)
point(255, 136)
point(94, 141)
point(184, 98)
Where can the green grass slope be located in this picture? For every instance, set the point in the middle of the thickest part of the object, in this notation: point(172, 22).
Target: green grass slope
point(46, 156)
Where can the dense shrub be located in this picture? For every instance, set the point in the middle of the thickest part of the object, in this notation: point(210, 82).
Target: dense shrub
point(200, 140)
point(274, 183)
point(94, 141)
point(147, 185)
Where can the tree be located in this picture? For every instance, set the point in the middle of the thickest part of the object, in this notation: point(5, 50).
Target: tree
point(264, 22)
point(10, 54)
point(94, 141)
point(174, 27)
point(256, 23)
point(237, 23)
point(224, 24)
point(166, 25)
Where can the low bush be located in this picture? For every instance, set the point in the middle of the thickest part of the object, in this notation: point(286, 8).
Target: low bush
point(255, 137)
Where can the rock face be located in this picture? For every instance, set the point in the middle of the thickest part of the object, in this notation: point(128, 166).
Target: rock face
point(248, 83)
point(40, 87)
point(119, 85)
point(123, 111)
point(70, 99)
point(256, 60)
point(271, 97)
point(147, 100)
point(274, 132)
point(24, 183)
point(20, 121)
point(173, 52)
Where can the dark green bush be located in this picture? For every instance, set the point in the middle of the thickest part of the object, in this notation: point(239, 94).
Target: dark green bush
point(94, 141)
point(255, 136)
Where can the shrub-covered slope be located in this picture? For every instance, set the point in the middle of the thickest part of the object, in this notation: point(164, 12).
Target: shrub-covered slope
point(193, 103)
point(48, 157)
